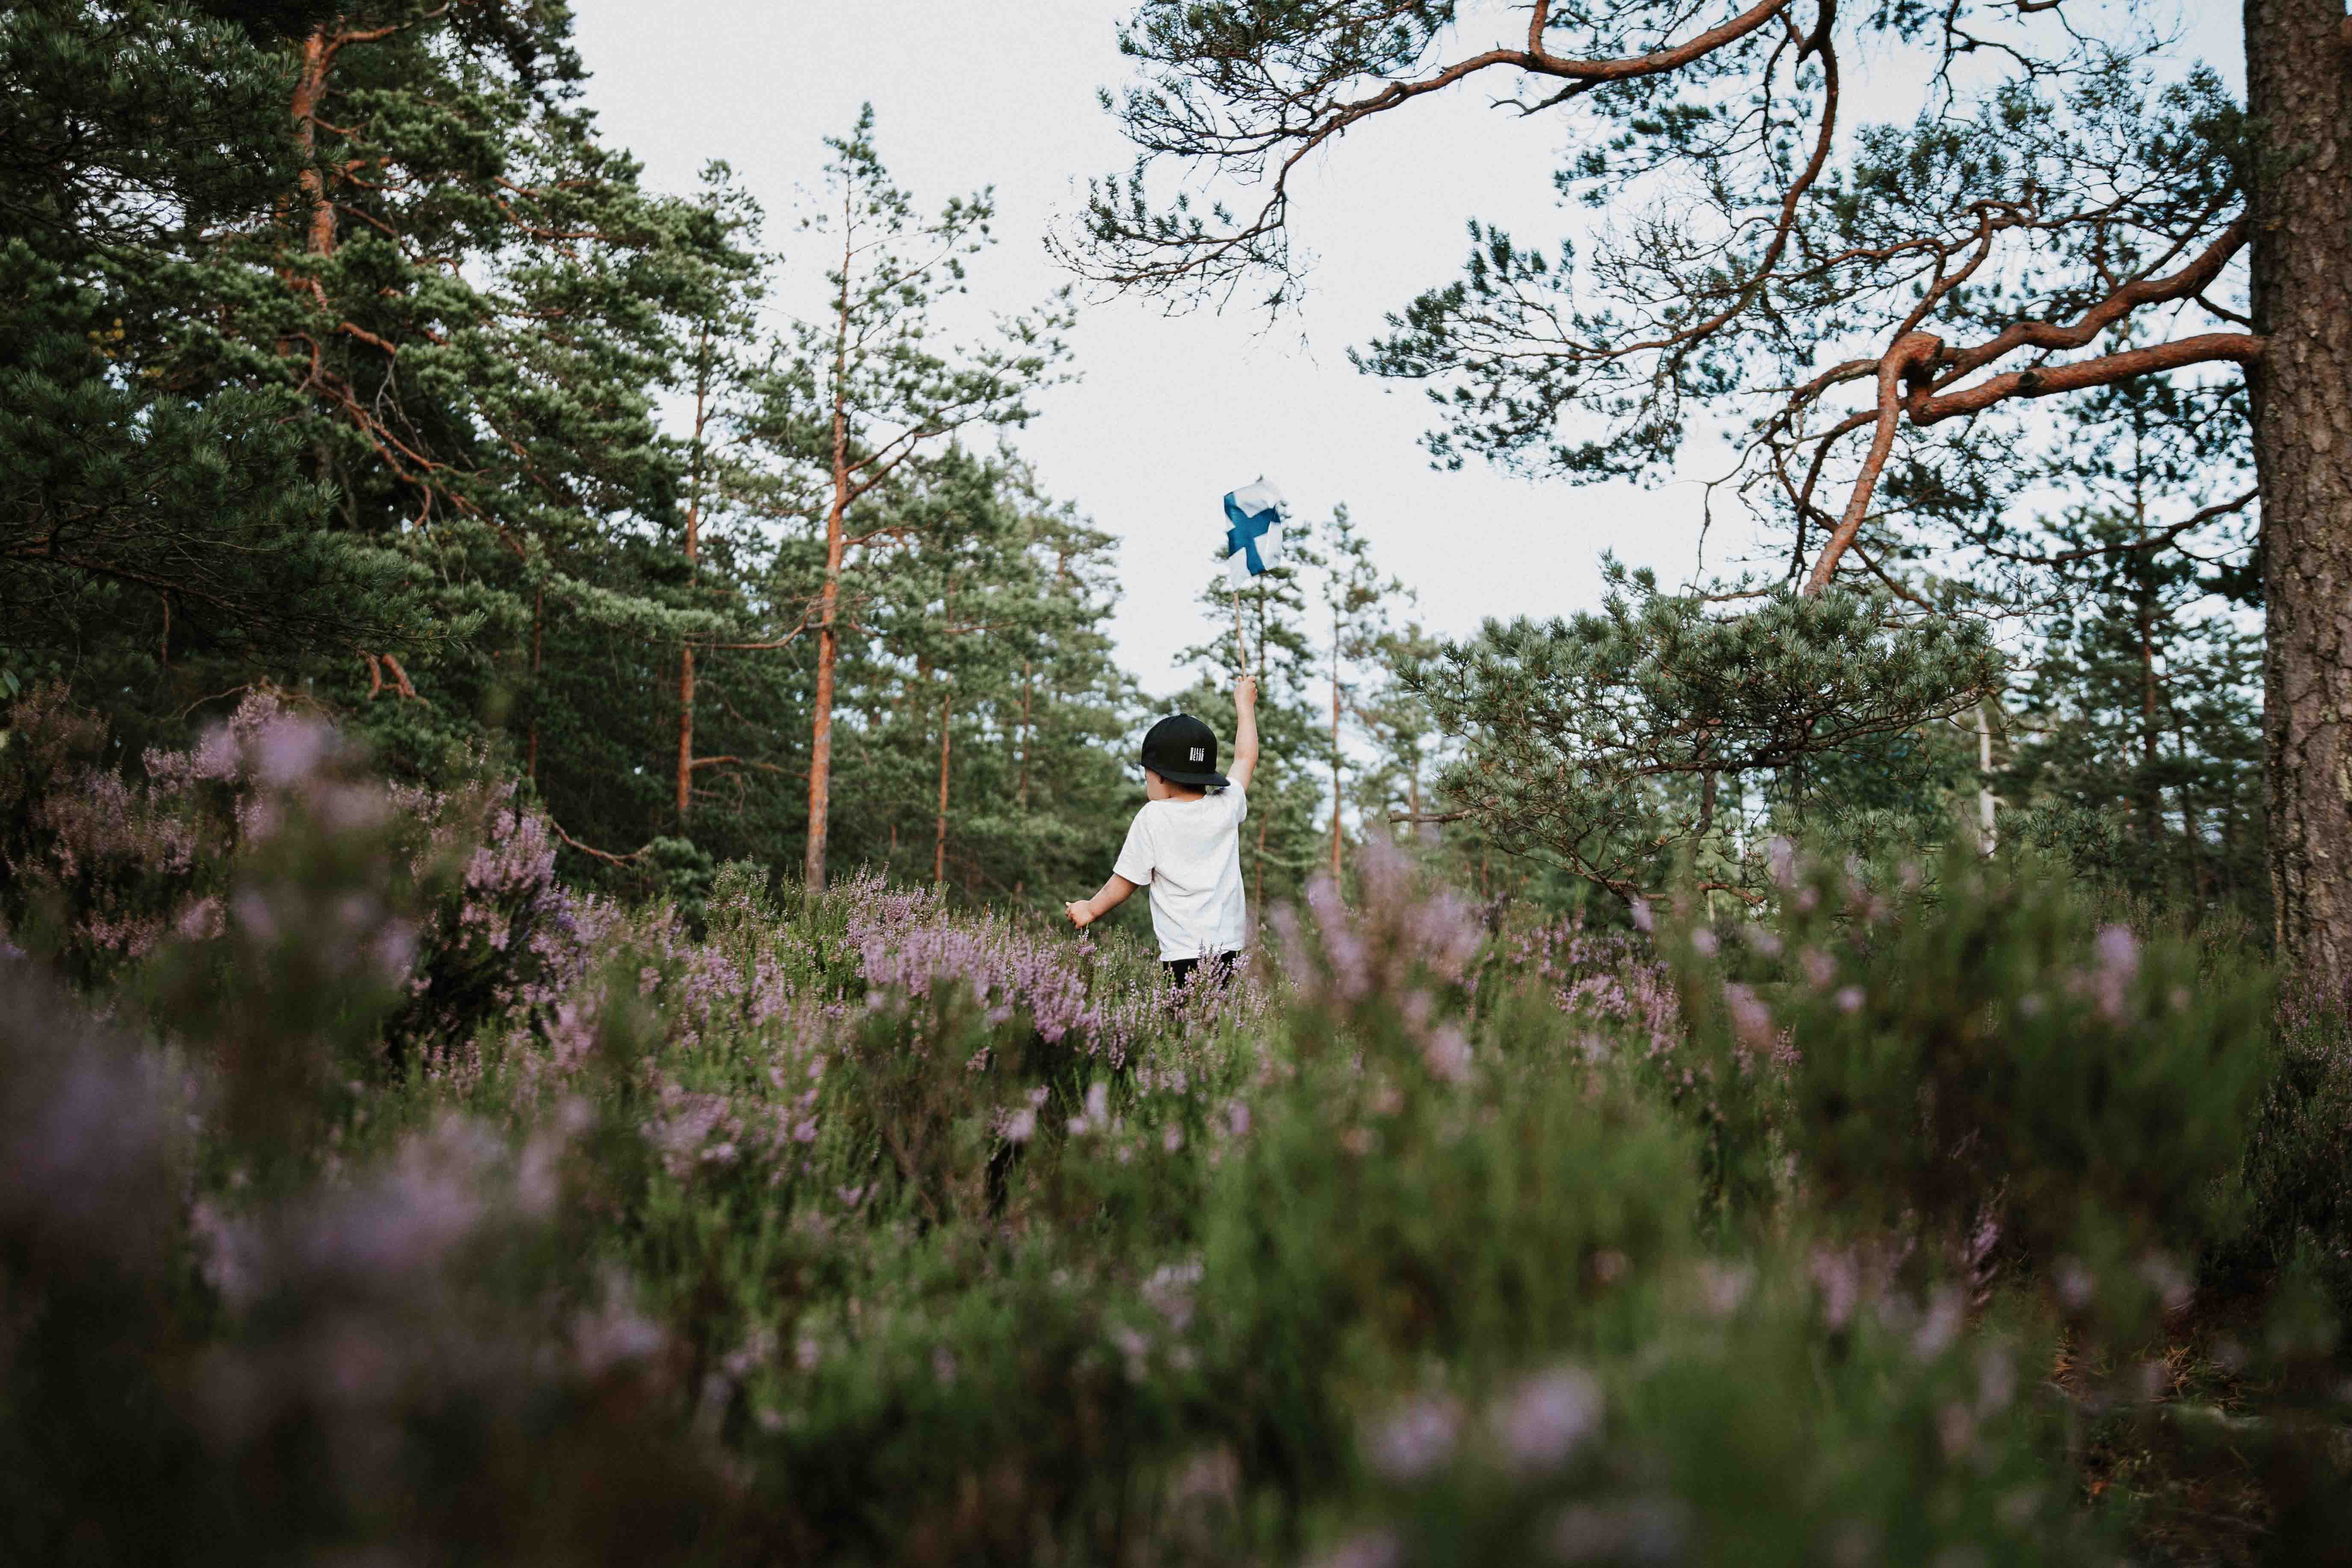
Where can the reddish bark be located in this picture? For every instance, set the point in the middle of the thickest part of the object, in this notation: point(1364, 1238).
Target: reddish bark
point(939, 845)
point(2299, 92)
point(828, 637)
point(309, 91)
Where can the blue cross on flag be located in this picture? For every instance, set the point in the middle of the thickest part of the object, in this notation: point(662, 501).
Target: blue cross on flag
point(1253, 516)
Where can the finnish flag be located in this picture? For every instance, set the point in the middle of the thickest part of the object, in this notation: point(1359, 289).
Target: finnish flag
point(1254, 518)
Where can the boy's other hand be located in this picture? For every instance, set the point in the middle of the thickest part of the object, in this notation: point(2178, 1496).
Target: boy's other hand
point(1081, 913)
point(1245, 693)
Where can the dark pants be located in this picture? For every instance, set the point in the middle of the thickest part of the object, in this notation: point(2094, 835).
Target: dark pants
point(1219, 969)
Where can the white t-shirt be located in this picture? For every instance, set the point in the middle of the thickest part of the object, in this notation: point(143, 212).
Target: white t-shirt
point(1189, 853)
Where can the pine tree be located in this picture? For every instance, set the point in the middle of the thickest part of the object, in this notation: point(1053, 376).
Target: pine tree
point(1358, 598)
point(864, 397)
point(979, 702)
point(2144, 717)
point(152, 523)
point(363, 323)
point(727, 493)
point(1601, 740)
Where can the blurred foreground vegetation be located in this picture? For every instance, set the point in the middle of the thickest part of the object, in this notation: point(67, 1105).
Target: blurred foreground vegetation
point(375, 1195)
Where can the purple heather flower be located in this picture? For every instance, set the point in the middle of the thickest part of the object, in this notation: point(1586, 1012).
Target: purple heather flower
point(1546, 1418)
point(1416, 1439)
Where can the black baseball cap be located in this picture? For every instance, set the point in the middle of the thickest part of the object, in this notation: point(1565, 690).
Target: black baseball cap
point(1183, 750)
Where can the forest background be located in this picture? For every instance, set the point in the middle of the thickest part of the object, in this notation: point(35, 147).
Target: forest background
point(619, 412)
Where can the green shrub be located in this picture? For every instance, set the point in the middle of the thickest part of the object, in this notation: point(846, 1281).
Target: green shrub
point(1985, 1062)
point(1766, 1421)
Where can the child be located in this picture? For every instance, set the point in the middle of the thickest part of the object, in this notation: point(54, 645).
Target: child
point(1186, 843)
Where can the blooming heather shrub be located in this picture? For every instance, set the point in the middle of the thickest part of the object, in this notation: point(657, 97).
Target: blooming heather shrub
point(403, 1363)
point(103, 871)
point(1393, 974)
point(1989, 1062)
point(864, 1230)
point(1732, 1439)
point(93, 872)
point(1412, 1193)
point(1612, 981)
point(500, 933)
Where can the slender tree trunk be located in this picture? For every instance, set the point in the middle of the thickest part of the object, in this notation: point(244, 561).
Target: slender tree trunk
point(685, 732)
point(2151, 794)
point(940, 840)
point(2299, 94)
point(1257, 867)
point(2226, 878)
point(2191, 835)
point(2144, 608)
point(1987, 823)
point(693, 558)
point(538, 645)
point(1706, 786)
point(1028, 690)
point(828, 635)
point(1335, 840)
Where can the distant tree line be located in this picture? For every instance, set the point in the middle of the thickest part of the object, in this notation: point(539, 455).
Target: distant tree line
point(340, 355)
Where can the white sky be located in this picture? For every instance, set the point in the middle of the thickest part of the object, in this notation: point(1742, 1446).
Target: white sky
point(1169, 412)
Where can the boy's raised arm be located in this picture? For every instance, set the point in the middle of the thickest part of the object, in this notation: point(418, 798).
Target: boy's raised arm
point(1244, 732)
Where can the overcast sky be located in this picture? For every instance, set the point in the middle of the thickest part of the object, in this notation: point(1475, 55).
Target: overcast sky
point(1169, 412)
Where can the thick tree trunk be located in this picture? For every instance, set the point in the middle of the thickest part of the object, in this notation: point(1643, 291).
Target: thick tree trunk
point(2299, 91)
point(309, 91)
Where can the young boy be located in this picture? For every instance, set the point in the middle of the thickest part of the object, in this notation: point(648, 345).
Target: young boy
point(1186, 843)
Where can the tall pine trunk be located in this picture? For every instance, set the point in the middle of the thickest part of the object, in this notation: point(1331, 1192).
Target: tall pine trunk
point(2299, 92)
point(1028, 690)
point(693, 558)
point(1336, 842)
point(538, 649)
point(939, 844)
point(828, 634)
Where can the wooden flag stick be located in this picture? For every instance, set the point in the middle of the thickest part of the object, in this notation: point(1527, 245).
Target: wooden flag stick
point(1241, 646)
